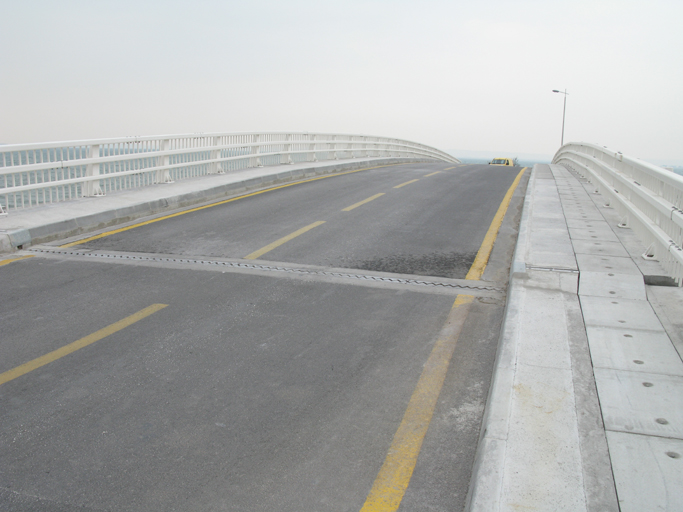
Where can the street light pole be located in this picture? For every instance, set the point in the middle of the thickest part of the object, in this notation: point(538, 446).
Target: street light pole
point(564, 111)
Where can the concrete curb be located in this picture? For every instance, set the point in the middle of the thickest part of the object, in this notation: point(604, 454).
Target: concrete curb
point(487, 475)
point(20, 238)
point(542, 443)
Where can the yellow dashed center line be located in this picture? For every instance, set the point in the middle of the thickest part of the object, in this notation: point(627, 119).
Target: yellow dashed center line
point(361, 203)
point(406, 183)
point(76, 345)
point(282, 240)
point(432, 174)
point(199, 208)
point(450, 168)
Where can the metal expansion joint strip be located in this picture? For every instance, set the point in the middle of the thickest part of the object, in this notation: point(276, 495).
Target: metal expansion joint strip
point(268, 268)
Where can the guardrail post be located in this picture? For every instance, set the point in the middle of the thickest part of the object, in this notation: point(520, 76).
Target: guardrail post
point(92, 188)
point(215, 167)
point(255, 161)
point(286, 157)
point(334, 148)
point(312, 157)
point(164, 175)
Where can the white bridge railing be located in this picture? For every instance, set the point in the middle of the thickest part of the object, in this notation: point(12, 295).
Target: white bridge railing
point(35, 174)
point(649, 199)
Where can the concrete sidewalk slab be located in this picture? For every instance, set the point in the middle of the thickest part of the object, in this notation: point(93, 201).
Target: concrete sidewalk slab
point(624, 339)
point(641, 403)
point(656, 480)
point(634, 351)
point(619, 314)
point(617, 265)
point(543, 444)
point(600, 248)
point(599, 232)
point(668, 304)
point(612, 285)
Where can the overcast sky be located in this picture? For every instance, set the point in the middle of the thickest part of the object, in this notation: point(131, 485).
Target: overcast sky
point(452, 74)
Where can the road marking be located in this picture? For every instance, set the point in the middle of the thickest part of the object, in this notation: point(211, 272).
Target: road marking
point(76, 345)
point(282, 240)
point(361, 203)
point(406, 183)
point(12, 260)
point(191, 210)
point(394, 476)
point(482, 258)
point(432, 174)
point(450, 168)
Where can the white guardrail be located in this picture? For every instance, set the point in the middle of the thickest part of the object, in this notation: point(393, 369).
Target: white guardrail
point(649, 199)
point(35, 174)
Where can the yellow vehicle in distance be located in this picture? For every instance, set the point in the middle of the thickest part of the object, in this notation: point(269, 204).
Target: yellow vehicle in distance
point(502, 161)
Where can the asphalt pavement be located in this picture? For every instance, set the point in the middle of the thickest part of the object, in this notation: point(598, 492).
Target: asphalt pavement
point(258, 354)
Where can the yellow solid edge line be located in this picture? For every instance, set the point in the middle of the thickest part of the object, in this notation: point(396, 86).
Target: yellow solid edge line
point(361, 203)
point(177, 214)
point(394, 476)
point(432, 174)
point(282, 240)
point(78, 344)
point(7, 262)
point(482, 258)
point(406, 183)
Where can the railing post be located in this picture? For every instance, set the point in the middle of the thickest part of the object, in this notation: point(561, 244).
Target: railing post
point(92, 188)
point(255, 161)
point(286, 157)
point(164, 174)
point(312, 157)
point(215, 167)
point(334, 148)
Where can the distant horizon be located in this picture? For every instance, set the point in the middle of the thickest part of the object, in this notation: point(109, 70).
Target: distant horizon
point(540, 158)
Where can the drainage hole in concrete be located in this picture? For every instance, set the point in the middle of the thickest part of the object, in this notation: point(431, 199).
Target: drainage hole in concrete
point(648, 384)
point(628, 335)
point(612, 293)
point(662, 421)
point(622, 321)
point(638, 361)
point(610, 274)
point(674, 455)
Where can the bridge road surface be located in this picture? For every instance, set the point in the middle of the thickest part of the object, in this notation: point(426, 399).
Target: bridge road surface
point(207, 388)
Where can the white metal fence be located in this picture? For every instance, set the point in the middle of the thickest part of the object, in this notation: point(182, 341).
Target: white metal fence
point(649, 199)
point(35, 174)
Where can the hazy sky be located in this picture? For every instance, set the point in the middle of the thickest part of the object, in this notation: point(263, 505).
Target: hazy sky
point(452, 74)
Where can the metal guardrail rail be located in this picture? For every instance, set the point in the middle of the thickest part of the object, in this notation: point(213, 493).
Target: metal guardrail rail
point(649, 199)
point(35, 174)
